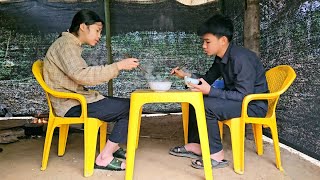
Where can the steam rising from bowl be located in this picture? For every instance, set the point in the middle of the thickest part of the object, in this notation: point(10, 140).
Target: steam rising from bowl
point(160, 86)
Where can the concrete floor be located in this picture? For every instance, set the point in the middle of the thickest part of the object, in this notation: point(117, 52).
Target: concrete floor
point(22, 160)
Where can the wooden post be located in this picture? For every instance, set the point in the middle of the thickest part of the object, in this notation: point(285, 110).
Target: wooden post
point(108, 41)
point(251, 34)
point(251, 26)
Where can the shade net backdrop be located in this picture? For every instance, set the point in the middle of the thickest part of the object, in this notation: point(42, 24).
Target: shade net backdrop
point(162, 35)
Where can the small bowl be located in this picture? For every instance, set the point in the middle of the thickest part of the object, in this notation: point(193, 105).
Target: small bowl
point(160, 86)
point(188, 80)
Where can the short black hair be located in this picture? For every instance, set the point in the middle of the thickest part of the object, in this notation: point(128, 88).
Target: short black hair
point(85, 16)
point(218, 25)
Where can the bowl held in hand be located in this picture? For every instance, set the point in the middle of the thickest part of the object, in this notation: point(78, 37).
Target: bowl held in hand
point(188, 80)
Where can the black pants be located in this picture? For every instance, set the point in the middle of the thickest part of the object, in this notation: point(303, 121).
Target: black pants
point(110, 109)
point(219, 109)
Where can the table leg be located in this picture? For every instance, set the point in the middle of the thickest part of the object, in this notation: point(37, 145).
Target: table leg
point(132, 139)
point(204, 142)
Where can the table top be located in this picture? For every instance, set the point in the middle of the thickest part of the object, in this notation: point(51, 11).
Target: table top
point(173, 95)
point(169, 91)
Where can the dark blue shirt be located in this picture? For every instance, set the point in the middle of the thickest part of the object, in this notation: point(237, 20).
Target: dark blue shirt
point(242, 72)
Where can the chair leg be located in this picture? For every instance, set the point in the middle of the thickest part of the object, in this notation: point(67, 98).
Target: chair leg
point(63, 136)
point(47, 144)
point(237, 141)
point(185, 120)
point(103, 136)
point(274, 132)
point(90, 142)
point(221, 129)
point(257, 132)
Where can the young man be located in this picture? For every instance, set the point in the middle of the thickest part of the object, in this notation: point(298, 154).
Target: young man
point(243, 74)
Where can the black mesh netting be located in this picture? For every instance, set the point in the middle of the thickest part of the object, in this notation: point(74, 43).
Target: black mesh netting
point(290, 34)
point(162, 36)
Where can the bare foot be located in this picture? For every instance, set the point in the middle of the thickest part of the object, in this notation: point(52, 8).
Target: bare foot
point(193, 147)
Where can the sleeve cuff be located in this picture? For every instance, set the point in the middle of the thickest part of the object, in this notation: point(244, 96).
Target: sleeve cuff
point(214, 92)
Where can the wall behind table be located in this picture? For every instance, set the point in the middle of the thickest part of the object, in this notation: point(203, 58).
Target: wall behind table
point(161, 35)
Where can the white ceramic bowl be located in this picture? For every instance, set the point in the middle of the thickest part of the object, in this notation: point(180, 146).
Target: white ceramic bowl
point(160, 86)
point(188, 80)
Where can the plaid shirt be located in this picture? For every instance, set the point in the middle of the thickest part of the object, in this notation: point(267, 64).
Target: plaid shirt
point(65, 70)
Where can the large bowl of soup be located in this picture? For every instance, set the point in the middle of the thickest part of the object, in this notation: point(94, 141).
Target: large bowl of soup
point(160, 86)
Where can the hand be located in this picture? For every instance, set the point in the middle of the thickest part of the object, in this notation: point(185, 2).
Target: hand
point(179, 73)
point(128, 64)
point(204, 87)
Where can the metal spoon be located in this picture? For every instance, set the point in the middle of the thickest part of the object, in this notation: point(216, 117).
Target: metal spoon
point(142, 69)
point(182, 66)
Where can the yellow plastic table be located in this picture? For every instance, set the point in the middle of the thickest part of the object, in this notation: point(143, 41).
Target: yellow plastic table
point(141, 97)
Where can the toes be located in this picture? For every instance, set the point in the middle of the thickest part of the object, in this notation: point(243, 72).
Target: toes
point(123, 165)
point(197, 162)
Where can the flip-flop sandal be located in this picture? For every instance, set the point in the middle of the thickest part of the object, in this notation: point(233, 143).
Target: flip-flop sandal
point(114, 165)
point(198, 164)
point(120, 153)
point(182, 152)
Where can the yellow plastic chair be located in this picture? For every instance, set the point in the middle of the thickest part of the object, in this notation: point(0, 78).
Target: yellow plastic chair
point(279, 79)
point(91, 125)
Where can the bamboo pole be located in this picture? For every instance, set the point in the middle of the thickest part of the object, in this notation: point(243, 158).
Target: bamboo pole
point(108, 41)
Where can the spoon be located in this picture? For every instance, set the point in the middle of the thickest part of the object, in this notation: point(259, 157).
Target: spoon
point(180, 67)
point(142, 69)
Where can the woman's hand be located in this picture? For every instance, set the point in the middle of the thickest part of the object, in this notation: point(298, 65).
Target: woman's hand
point(128, 64)
point(204, 87)
point(179, 73)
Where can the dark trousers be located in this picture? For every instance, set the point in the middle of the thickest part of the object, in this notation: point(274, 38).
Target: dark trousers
point(217, 109)
point(110, 109)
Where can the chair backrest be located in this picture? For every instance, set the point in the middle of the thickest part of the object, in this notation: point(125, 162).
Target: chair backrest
point(279, 79)
point(37, 69)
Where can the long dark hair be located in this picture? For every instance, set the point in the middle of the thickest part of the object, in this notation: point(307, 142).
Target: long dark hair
point(85, 16)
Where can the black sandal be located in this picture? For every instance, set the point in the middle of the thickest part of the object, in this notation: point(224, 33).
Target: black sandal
point(120, 153)
point(182, 152)
point(198, 164)
point(114, 165)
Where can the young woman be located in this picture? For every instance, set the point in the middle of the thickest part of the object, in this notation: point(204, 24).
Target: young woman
point(65, 70)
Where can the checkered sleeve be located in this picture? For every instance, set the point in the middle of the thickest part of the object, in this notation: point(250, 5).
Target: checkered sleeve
point(77, 69)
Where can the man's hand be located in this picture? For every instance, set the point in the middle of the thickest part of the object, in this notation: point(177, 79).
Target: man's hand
point(179, 73)
point(128, 64)
point(204, 87)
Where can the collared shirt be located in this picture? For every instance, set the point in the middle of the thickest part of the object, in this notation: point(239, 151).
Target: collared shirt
point(65, 70)
point(242, 72)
